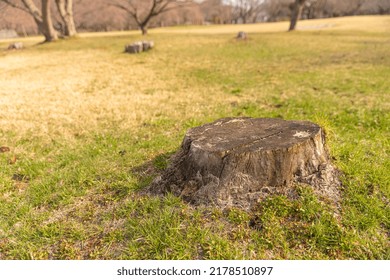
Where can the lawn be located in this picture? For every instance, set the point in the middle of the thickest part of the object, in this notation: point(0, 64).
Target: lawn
point(88, 127)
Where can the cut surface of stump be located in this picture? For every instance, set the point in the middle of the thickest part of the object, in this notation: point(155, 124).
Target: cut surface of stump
point(240, 161)
point(241, 35)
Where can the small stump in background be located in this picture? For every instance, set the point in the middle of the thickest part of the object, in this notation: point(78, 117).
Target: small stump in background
point(138, 47)
point(241, 36)
point(237, 162)
point(16, 46)
point(147, 45)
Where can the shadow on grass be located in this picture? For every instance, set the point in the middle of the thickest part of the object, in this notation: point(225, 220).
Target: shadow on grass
point(149, 170)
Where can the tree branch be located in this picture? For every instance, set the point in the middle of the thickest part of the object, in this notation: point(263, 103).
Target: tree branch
point(14, 5)
point(143, 12)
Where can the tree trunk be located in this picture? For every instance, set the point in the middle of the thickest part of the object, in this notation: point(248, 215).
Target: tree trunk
point(65, 9)
point(296, 13)
point(32, 9)
point(48, 30)
point(42, 17)
point(143, 14)
point(240, 161)
point(39, 24)
point(144, 29)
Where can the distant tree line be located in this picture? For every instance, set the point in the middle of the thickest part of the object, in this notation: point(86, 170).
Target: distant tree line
point(62, 18)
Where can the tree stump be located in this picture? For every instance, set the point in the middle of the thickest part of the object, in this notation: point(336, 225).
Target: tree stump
point(241, 35)
point(237, 162)
point(135, 47)
point(147, 45)
point(138, 47)
point(16, 46)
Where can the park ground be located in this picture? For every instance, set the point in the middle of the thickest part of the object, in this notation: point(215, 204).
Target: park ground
point(87, 127)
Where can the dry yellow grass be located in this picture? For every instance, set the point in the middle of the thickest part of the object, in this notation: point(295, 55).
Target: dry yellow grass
point(67, 92)
point(355, 23)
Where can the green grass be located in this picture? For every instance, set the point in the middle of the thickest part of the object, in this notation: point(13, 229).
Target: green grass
point(90, 127)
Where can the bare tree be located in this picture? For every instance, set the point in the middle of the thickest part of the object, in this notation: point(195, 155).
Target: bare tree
point(309, 9)
point(42, 17)
point(384, 7)
point(143, 11)
point(296, 11)
point(97, 15)
point(246, 10)
point(314, 9)
point(49, 31)
point(65, 9)
point(215, 11)
point(355, 7)
point(191, 14)
point(273, 10)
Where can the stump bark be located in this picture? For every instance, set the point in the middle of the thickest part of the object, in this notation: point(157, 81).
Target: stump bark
point(147, 45)
point(16, 46)
point(241, 35)
point(138, 47)
point(240, 161)
point(135, 47)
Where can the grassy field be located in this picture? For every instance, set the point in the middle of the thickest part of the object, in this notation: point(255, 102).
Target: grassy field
point(88, 126)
